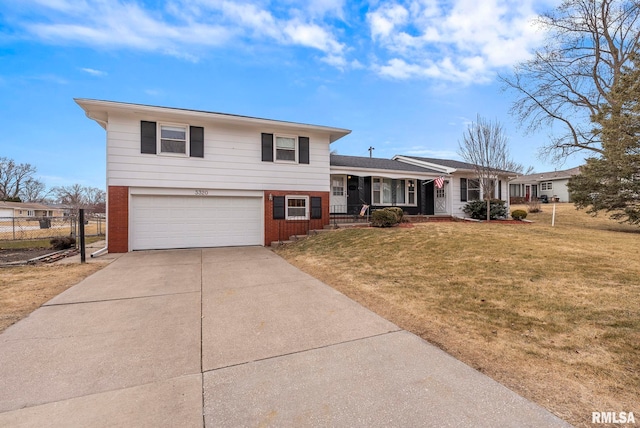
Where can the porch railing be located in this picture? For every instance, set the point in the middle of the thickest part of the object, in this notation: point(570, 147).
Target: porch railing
point(349, 213)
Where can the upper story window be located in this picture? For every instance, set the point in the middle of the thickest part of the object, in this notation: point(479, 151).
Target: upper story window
point(173, 139)
point(285, 148)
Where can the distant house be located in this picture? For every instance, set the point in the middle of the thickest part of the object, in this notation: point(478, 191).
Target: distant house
point(551, 186)
point(20, 209)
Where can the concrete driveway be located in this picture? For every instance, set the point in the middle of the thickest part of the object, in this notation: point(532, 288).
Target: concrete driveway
point(232, 337)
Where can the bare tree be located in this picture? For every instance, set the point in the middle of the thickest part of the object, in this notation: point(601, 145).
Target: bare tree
point(569, 80)
point(33, 190)
point(485, 146)
point(77, 196)
point(95, 199)
point(13, 176)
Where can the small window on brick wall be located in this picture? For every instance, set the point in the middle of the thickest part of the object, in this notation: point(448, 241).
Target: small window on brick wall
point(297, 207)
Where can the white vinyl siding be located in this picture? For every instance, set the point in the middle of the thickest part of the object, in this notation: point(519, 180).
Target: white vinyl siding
point(232, 160)
point(557, 188)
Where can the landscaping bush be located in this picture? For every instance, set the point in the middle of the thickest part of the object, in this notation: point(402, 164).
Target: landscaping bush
point(398, 212)
point(62, 243)
point(518, 214)
point(533, 206)
point(478, 209)
point(384, 218)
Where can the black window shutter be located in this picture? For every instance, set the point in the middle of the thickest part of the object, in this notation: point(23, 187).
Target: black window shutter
point(500, 189)
point(196, 142)
point(148, 142)
point(278, 207)
point(303, 144)
point(316, 207)
point(267, 148)
point(463, 190)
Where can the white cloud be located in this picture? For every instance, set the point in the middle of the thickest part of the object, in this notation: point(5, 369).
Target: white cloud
point(458, 40)
point(320, 8)
point(384, 20)
point(314, 36)
point(462, 40)
point(184, 28)
point(94, 72)
point(126, 25)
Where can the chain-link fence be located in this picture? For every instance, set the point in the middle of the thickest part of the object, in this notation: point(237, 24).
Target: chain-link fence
point(32, 228)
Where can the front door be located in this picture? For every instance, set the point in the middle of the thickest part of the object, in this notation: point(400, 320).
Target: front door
point(441, 200)
point(338, 197)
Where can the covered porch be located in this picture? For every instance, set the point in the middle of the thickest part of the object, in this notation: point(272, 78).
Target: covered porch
point(362, 185)
point(356, 196)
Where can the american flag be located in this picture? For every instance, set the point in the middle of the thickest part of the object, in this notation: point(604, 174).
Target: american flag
point(439, 182)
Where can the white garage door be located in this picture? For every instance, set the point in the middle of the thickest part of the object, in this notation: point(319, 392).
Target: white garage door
point(159, 222)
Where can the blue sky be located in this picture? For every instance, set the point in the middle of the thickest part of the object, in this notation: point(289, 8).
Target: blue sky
point(406, 77)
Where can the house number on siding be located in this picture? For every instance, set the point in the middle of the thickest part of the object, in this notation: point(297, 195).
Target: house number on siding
point(201, 192)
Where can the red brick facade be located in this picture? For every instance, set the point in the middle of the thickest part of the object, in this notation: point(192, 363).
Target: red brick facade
point(275, 230)
point(118, 213)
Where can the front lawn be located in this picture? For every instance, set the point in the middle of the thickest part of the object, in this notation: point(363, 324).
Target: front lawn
point(551, 312)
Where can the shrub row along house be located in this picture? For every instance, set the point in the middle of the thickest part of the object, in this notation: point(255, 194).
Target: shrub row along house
point(179, 178)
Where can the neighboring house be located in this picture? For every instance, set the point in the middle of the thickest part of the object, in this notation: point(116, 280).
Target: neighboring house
point(407, 182)
point(180, 178)
point(552, 185)
point(66, 210)
point(22, 209)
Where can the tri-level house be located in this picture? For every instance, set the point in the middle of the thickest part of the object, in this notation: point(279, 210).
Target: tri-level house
point(179, 178)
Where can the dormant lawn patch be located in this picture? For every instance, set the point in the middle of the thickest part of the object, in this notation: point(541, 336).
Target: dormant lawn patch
point(24, 289)
point(552, 313)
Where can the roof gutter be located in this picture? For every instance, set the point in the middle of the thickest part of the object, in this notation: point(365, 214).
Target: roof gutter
point(101, 122)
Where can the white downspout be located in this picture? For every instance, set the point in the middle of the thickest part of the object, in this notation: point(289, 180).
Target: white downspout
point(103, 123)
point(100, 252)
